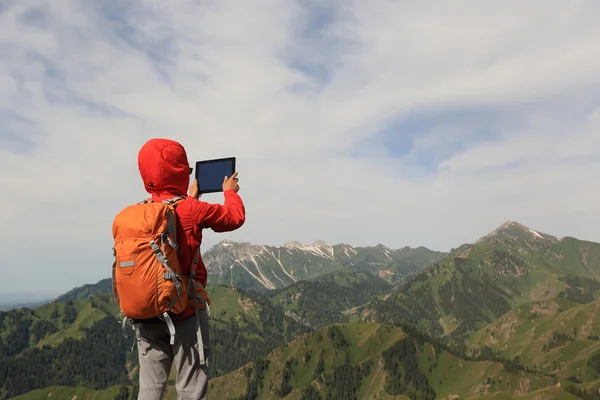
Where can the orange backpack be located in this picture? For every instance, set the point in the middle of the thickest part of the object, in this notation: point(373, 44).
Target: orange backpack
point(148, 280)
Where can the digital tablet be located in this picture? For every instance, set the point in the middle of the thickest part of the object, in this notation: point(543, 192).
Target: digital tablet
point(210, 173)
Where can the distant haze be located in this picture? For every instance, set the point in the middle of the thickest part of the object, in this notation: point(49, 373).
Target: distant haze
point(25, 297)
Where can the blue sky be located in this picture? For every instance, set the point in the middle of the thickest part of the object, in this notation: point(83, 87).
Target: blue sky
point(357, 122)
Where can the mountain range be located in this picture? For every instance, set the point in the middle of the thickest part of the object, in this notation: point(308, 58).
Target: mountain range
point(252, 267)
point(512, 315)
point(262, 268)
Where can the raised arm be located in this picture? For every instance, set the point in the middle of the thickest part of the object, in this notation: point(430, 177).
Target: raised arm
point(221, 218)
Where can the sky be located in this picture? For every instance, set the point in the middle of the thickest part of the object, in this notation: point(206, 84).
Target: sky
point(359, 122)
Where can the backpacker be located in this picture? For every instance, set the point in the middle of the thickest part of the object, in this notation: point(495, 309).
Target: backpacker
point(148, 280)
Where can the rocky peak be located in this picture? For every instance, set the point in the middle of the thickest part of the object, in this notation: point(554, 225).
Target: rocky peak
point(300, 246)
point(293, 245)
point(225, 253)
point(516, 230)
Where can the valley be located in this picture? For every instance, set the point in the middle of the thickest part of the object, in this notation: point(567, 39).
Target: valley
point(514, 314)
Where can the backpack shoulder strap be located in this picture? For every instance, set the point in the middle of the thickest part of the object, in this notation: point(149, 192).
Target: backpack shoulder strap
point(169, 202)
point(171, 223)
point(174, 200)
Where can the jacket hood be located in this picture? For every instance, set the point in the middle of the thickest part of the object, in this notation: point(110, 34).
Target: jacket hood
point(164, 168)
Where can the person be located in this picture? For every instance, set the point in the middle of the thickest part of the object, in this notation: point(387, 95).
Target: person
point(165, 172)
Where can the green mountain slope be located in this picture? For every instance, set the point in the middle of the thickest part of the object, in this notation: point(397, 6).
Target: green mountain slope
point(314, 302)
point(82, 292)
point(70, 344)
point(266, 267)
point(65, 392)
point(323, 300)
point(476, 284)
point(365, 360)
point(244, 328)
point(556, 336)
point(369, 360)
point(81, 344)
point(50, 324)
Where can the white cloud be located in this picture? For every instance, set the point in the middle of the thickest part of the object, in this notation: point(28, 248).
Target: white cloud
point(226, 78)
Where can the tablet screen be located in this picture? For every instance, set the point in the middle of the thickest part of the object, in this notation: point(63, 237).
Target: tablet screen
point(210, 173)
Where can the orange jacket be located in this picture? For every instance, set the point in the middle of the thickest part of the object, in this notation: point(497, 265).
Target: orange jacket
point(165, 170)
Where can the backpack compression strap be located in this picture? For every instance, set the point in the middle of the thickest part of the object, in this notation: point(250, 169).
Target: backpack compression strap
point(193, 294)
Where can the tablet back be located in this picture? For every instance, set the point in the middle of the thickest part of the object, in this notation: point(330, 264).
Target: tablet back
point(210, 173)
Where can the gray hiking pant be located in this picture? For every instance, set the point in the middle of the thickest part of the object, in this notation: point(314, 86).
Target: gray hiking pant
point(156, 356)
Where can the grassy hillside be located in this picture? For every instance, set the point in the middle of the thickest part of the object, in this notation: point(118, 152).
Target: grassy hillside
point(70, 344)
point(80, 343)
point(323, 300)
point(477, 284)
point(244, 328)
point(369, 360)
point(557, 337)
point(366, 361)
point(70, 393)
point(50, 324)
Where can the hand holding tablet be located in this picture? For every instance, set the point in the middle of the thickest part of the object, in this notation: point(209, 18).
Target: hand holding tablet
point(231, 183)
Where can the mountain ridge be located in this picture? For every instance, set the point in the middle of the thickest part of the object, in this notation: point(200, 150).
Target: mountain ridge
point(261, 267)
point(220, 257)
